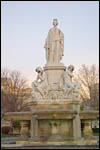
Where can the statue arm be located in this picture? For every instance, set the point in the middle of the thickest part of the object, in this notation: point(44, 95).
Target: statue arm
point(62, 42)
point(35, 83)
point(46, 48)
point(37, 78)
point(42, 77)
point(70, 74)
point(62, 47)
point(47, 44)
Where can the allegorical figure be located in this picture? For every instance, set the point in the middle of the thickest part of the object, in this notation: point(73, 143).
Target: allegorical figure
point(41, 82)
point(70, 86)
point(54, 44)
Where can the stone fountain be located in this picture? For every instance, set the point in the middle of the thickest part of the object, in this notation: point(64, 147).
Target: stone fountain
point(55, 119)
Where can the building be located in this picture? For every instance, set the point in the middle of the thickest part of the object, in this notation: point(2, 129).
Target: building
point(94, 95)
point(6, 84)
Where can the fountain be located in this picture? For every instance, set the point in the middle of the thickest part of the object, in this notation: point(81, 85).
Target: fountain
point(55, 119)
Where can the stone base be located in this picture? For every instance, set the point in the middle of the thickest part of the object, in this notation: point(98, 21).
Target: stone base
point(54, 125)
point(54, 73)
point(57, 139)
point(50, 146)
point(54, 64)
point(57, 104)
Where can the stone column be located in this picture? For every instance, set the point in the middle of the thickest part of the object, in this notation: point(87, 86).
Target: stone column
point(34, 126)
point(76, 126)
point(87, 130)
point(24, 130)
point(76, 122)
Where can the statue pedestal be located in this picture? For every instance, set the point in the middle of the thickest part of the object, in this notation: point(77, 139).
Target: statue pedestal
point(54, 120)
point(54, 73)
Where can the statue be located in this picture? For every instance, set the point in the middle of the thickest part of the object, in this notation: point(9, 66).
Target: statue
point(41, 83)
point(54, 44)
point(69, 86)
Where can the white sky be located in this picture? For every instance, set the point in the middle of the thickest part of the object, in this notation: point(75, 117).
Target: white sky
point(25, 26)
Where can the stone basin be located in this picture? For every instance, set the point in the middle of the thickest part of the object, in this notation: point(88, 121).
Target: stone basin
point(53, 121)
point(90, 115)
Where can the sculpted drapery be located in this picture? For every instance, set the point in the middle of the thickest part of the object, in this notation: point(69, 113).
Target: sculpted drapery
point(54, 44)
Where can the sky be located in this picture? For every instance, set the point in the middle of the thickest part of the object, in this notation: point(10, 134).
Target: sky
point(25, 25)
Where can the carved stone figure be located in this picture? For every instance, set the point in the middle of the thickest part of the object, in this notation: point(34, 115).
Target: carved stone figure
point(41, 83)
point(54, 44)
point(69, 86)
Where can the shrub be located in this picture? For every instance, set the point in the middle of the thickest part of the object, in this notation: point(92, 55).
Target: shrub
point(16, 124)
point(5, 130)
point(95, 130)
point(82, 107)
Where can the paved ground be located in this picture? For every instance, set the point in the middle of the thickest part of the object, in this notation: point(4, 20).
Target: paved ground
point(97, 137)
point(8, 140)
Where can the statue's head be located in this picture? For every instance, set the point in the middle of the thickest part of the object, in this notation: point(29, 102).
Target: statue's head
point(38, 69)
point(71, 68)
point(55, 22)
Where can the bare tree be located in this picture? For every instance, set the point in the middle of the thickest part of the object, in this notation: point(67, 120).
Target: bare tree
point(12, 99)
point(18, 81)
point(89, 77)
point(5, 73)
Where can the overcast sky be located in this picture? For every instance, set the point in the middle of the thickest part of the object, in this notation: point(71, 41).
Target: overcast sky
point(25, 25)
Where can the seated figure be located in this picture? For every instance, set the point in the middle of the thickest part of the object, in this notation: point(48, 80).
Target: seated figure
point(70, 87)
point(41, 83)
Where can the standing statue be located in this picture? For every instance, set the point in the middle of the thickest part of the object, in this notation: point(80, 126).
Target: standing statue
point(54, 44)
point(41, 83)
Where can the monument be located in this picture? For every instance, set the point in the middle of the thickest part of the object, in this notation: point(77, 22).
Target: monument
point(54, 45)
point(54, 80)
point(55, 119)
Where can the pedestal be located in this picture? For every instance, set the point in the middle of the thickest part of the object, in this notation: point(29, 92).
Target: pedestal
point(24, 132)
point(77, 127)
point(87, 130)
point(34, 127)
point(54, 73)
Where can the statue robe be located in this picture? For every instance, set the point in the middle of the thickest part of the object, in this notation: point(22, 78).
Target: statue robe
point(54, 45)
